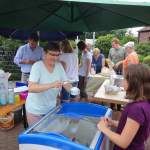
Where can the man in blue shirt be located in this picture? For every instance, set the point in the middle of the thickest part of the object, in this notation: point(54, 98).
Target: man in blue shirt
point(27, 55)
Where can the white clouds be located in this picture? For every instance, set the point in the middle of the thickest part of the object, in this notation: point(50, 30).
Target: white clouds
point(134, 31)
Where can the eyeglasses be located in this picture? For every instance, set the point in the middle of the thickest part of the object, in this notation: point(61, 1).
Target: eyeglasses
point(53, 54)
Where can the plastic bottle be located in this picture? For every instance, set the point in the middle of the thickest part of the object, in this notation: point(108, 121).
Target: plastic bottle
point(112, 73)
point(3, 95)
point(10, 96)
point(10, 93)
point(0, 94)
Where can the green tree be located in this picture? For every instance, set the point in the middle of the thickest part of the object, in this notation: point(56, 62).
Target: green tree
point(146, 60)
point(141, 58)
point(43, 44)
point(120, 33)
point(9, 44)
point(104, 43)
point(127, 38)
point(8, 49)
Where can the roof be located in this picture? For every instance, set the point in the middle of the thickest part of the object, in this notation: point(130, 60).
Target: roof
point(145, 29)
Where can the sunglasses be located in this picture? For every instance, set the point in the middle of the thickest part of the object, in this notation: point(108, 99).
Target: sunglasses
point(54, 54)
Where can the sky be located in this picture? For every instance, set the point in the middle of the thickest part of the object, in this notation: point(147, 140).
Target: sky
point(134, 31)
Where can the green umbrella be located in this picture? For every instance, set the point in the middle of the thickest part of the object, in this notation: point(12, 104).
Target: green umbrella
point(73, 15)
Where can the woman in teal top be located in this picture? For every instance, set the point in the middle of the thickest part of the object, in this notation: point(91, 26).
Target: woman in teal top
point(45, 82)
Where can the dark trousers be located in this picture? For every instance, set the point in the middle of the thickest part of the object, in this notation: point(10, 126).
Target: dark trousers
point(82, 86)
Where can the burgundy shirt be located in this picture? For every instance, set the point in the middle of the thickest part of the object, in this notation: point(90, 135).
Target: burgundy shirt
point(140, 112)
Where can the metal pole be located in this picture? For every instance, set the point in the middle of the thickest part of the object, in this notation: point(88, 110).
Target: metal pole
point(77, 40)
point(93, 39)
point(38, 33)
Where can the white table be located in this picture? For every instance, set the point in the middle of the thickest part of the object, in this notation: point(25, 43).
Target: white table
point(98, 76)
point(101, 96)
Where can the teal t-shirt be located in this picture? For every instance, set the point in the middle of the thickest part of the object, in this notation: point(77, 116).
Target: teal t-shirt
point(41, 103)
point(116, 55)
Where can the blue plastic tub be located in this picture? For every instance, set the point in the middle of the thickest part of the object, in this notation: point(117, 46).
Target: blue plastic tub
point(71, 126)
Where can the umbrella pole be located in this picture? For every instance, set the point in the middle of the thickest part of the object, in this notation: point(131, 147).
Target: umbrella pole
point(93, 40)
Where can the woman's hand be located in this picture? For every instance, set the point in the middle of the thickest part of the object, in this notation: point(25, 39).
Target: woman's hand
point(112, 123)
point(109, 122)
point(67, 85)
point(28, 62)
point(56, 84)
point(36, 88)
point(103, 123)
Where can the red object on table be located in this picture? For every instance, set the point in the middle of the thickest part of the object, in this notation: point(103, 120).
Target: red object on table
point(23, 95)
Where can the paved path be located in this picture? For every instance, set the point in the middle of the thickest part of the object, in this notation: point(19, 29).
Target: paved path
point(8, 139)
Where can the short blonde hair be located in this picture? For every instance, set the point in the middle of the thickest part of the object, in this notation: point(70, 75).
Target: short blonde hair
point(96, 51)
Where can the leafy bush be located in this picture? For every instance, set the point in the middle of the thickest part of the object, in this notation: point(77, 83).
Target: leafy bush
point(143, 49)
point(104, 43)
point(128, 38)
point(43, 44)
point(8, 49)
point(141, 58)
point(147, 60)
point(9, 44)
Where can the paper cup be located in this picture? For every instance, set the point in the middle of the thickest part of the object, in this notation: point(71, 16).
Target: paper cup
point(75, 91)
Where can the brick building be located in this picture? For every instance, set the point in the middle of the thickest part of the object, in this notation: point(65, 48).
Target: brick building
point(144, 35)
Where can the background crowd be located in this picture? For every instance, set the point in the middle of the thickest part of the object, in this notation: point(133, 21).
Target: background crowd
point(77, 69)
point(52, 71)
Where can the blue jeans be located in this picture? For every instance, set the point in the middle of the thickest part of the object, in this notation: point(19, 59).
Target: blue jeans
point(65, 95)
